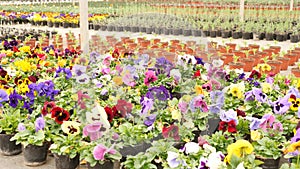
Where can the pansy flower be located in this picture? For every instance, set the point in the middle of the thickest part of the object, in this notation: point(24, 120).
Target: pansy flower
point(111, 112)
point(39, 124)
point(124, 107)
point(80, 100)
point(14, 99)
point(295, 102)
point(150, 77)
point(94, 131)
point(197, 74)
point(60, 115)
point(47, 107)
point(171, 131)
point(3, 97)
point(100, 151)
point(71, 127)
point(228, 126)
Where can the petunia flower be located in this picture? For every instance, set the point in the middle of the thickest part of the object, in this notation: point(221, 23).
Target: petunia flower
point(71, 127)
point(93, 131)
point(59, 114)
point(100, 151)
point(150, 77)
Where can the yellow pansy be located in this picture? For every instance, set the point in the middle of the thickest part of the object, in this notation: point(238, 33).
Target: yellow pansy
point(23, 65)
point(61, 62)
point(4, 61)
point(239, 148)
point(9, 90)
point(264, 67)
point(25, 49)
point(23, 88)
point(236, 92)
point(255, 135)
point(51, 52)
point(293, 147)
point(266, 87)
point(176, 115)
point(117, 80)
point(198, 89)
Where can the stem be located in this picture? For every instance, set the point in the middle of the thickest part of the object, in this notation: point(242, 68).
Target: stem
point(298, 160)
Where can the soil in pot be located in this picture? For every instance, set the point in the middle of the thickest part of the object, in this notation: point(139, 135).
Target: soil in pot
point(7, 147)
point(226, 34)
point(65, 162)
point(269, 36)
point(236, 35)
point(35, 155)
point(261, 36)
point(196, 33)
point(187, 32)
point(280, 37)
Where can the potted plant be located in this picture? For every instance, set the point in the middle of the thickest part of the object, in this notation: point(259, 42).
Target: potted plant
point(9, 120)
point(235, 64)
point(66, 145)
point(34, 136)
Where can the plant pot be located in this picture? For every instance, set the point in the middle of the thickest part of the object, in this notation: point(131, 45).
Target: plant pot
point(247, 35)
point(119, 28)
point(236, 35)
point(103, 27)
point(270, 163)
point(56, 24)
point(142, 29)
point(269, 36)
point(296, 71)
point(213, 124)
point(158, 31)
point(65, 162)
point(206, 33)
point(177, 31)
point(294, 38)
point(248, 64)
point(187, 32)
point(66, 24)
point(166, 31)
point(96, 27)
point(127, 28)
point(196, 33)
point(237, 65)
point(35, 155)
point(106, 165)
point(7, 147)
point(149, 30)
point(213, 34)
point(276, 64)
point(280, 37)
point(50, 24)
point(134, 29)
point(261, 35)
point(285, 62)
point(110, 28)
point(134, 149)
point(226, 34)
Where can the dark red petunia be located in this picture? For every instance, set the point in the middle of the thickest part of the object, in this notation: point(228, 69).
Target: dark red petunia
point(60, 114)
point(241, 113)
point(33, 79)
point(47, 107)
point(171, 131)
point(197, 74)
point(227, 126)
point(255, 74)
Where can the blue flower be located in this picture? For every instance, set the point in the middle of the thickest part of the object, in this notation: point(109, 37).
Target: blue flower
point(160, 93)
point(67, 71)
point(150, 120)
point(39, 124)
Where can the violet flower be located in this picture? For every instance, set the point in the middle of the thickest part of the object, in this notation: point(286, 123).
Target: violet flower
point(254, 122)
point(14, 99)
point(150, 120)
point(267, 122)
point(259, 95)
point(3, 97)
point(150, 77)
point(198, 103)
point(160, 93)
point(183, 106)
point(66, 71)
point(173, 160)
point(229, 115)
point(296, 137)
point(281, 106)
point(278, 126)
point(217, 101)
point(39, 124)
point(21, 127)
point(147, 105)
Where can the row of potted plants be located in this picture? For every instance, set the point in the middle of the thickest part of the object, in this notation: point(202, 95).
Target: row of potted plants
point(102, 105)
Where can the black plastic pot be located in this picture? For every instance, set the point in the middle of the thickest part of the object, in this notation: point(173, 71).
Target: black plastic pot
point(91, 26)
point(96, 27)
point(142, 29)
point(226, 34)
point(103, 27)
point(261, 36)
point(8, 147)
point(294, 38)
point(213, 124)
point(196, 32)
point(187, 32)
point(280, 37)
point(166, 31)
point(269, 36)
point(134, 29)
point(110, 28)
point(106, 165)
point(65, 162)
point(127, 28)
point(35, 155)
point(270, 163)
point(119, 28)
point(213, 33)
point(149, 30)
point(219, 33)
point(56, 24)
point(50, 24)
point(247, 35)
point(236, 35)
point(158, 31)
point(177, 31)
point(206, 33)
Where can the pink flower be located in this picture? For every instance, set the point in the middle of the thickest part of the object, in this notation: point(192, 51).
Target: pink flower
point(183, 106)
point(80, 100)
point(105, 71)
point(278, 126)
point(150, 77)
point(93, 131)
point(268, 120)
point(100, 151)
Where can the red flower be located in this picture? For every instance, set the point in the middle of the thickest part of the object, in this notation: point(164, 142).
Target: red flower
point(15, 49)
point(116, 53)
point(255, 74)
point(171, 131)
point(241, 113)
point(123, 107)
point(60, 114)
point(197, 74)
point(3, 73)
point(33, 79)
point(47, 107)
point(81, 97)
point(229, 126)
point(111, 113)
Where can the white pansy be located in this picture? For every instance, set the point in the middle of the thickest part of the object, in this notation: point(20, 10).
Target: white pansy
point(217, 63)
point(191, 148)
point(240, 166)
point(209, 148)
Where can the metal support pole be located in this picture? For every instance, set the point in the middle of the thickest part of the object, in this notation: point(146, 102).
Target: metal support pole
point(291, 5)
point(84, 29)
point(242, 10)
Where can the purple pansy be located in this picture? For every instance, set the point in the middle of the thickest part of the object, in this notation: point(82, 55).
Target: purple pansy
point(281, 106)
point(150, 120)
point(160, 93)
point(14, 99)
point(147, 105)
point(198, 102)
point(3, 97)
point(229, 115)
point(39, 124)
point(93, 131)
point(254, 122)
